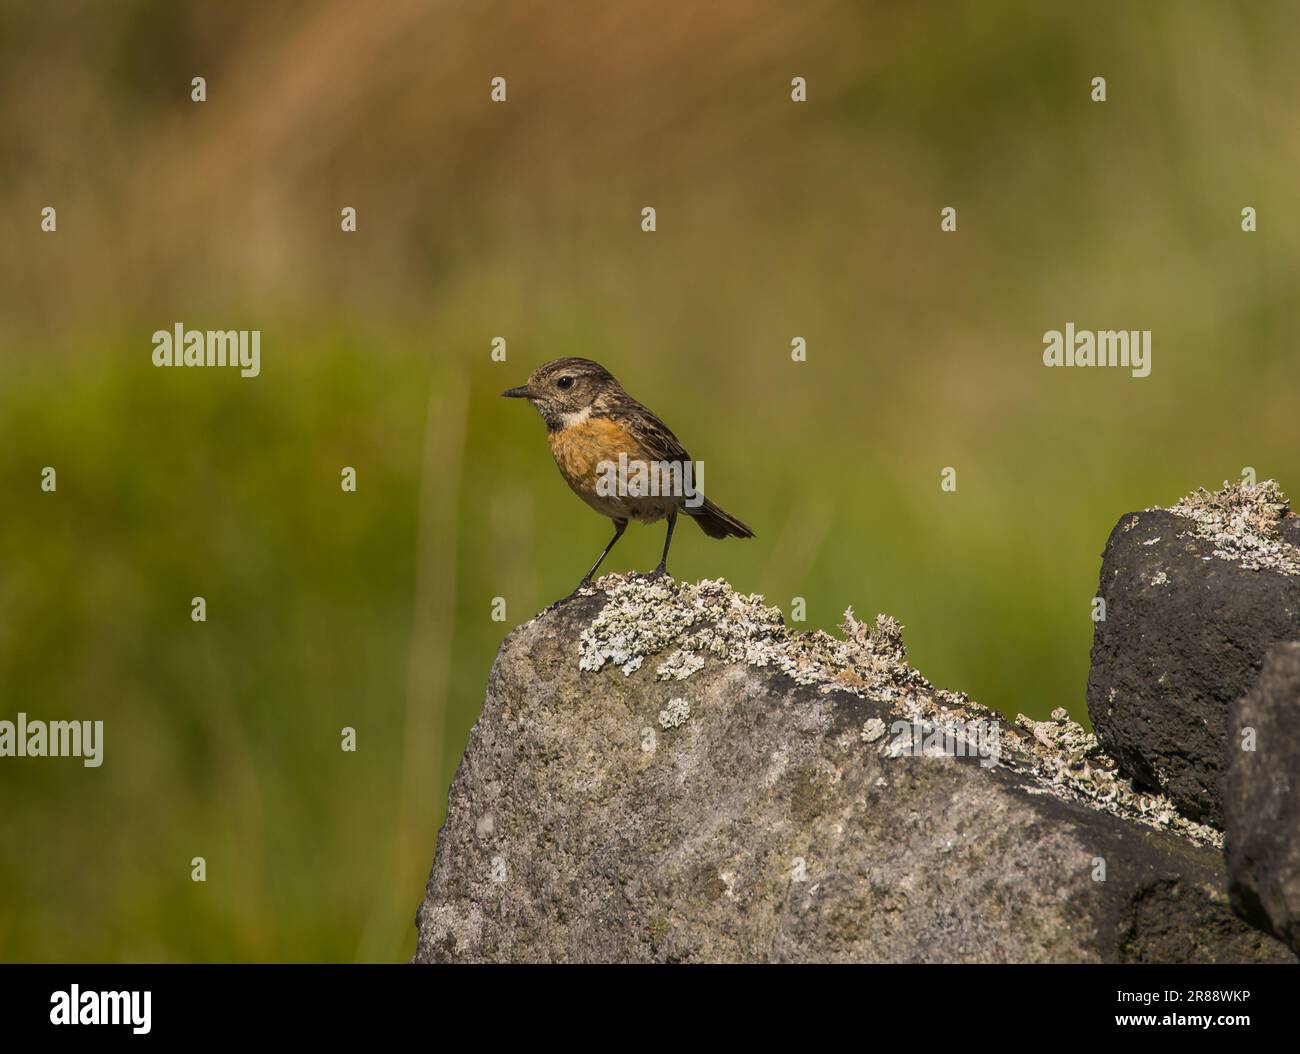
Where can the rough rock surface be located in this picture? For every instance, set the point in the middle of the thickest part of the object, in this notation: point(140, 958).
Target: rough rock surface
point(1262, 799)
point(1195, 596)
point(665, 772)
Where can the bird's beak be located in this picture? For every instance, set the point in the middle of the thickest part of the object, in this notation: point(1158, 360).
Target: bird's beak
point(521, 392)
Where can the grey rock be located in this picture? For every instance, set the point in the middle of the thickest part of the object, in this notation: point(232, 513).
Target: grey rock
point(1262, 800)
point(1195, 596)
point(779, 818)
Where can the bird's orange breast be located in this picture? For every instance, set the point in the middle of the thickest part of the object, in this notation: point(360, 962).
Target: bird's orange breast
point(580, 449)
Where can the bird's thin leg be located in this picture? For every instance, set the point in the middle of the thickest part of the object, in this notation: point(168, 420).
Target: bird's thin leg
point(619, 527)
point(663, 560)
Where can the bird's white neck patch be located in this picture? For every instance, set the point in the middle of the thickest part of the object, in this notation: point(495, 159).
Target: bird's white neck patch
point(576, 417)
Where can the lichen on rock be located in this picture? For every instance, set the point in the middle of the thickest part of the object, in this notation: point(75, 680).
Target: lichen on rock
point(734, 790)
point(643, 617)
point(1195, 596)
point(675, 714)
point(1075, 762)
point(679, 665)
point(1242, 521)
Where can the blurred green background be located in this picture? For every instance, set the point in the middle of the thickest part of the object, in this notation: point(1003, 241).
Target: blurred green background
point(521, 220)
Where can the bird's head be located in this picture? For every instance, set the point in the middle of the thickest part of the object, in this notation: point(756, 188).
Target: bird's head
point(565, 391)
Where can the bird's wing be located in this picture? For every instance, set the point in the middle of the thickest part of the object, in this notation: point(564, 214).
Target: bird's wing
point(657, 438)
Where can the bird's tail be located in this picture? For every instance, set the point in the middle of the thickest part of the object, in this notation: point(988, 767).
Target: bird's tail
point(716, 522)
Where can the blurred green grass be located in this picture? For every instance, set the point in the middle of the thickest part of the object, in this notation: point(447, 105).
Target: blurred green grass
point(373, 609)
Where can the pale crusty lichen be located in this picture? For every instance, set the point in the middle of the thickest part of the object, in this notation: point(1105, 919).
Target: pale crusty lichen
point(675, 714)
point(643, 617)
point(1069, 757)
point(872, 730)
point(1241, 520)
point(679, 665)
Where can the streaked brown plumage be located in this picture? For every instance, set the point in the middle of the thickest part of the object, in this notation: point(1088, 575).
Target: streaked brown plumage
point(590, 421)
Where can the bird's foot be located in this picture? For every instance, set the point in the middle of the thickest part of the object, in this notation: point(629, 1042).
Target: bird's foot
point(578, 591)
point(584, 584)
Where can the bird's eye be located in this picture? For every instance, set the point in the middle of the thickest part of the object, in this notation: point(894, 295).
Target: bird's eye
point(564, 382)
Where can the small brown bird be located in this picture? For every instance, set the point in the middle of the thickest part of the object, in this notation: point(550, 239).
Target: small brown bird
point(617, 456)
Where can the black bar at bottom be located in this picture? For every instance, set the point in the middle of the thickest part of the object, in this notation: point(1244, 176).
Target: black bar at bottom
point(338, 1003)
